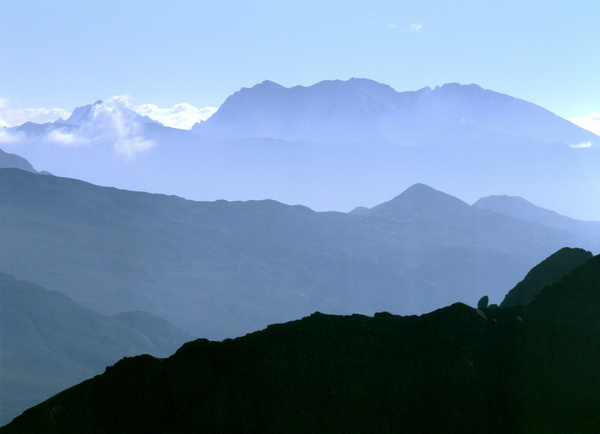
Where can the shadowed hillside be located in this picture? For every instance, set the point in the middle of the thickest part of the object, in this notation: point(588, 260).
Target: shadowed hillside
point(546, 273)
point(527, 369)
point(48, 342)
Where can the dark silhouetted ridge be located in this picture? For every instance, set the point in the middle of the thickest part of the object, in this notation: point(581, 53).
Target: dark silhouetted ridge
point(527, 369)
point(546, 273)
point(49, 342)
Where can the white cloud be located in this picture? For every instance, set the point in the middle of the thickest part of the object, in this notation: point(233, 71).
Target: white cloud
point(115, 122)
point(392, 26)
point(13, 117)
point(9, 137)
point(590, 122)
point(110, 122)
point(581, 145)
point(182, 115)
point(130, 146)
point(414, 27)
point(63, 137)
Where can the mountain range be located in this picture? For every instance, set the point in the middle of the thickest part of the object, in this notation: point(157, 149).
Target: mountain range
point(221, 269)
point(121, 271)
point(525, 369)
point(361, 110)
point(49, 342)
point(331, 146)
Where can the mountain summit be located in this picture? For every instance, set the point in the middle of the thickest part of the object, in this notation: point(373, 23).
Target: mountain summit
point(421, 200)
point(81, 114)
point(361, 110)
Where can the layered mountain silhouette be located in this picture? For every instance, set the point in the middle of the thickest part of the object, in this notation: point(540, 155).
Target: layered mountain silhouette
point(49, 342)
point(418, 201)
point(526, 369)
point(221, 269)
point(544, 274)
point(331, 146)
point(15, 161)
point(360, 110)
point(518, 207)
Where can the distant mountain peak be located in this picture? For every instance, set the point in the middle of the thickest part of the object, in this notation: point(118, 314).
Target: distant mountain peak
point(420, 200)
point(503, 200)
point(460, 86)
point(268, 84)
point(82, 114)
point(360, 109)
point(419, 188)
point(517, 207)
point(424, 192)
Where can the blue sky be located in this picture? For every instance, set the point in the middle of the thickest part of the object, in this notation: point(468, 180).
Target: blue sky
point(70, 53)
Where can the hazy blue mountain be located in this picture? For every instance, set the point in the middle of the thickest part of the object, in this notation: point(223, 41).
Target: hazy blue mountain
point(421, 200)
point(14, 161)
point(48, 342)
point(85, 114)
point(549, 271)
point(360, 110)
point(80, 115)
point(518, 207)
point(527, 369)
point(221, 269)
point(332, 146)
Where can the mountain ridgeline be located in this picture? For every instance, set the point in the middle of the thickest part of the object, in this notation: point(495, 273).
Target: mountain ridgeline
point(525, 369)
point(361, 110)
point(331, 146)
point(49, 342)
point(8, 161)
point(549, 271)
point(119, 272)
point(222, 269)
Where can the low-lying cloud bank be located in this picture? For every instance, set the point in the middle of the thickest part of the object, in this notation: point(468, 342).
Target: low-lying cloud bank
point(111, 122)
point(13, 117)
point(182, 116)
point(117, 122)
point(107, 122)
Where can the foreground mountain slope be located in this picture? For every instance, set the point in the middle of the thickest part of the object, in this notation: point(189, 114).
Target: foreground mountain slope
point(359, 110)
point(221, 269)
point(49, 342)
point(526, 369)
point(544, 274)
